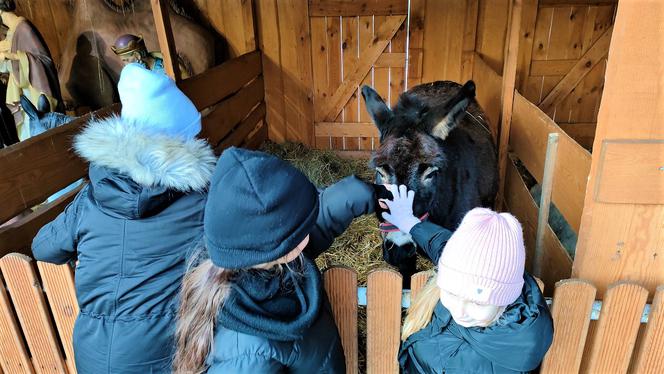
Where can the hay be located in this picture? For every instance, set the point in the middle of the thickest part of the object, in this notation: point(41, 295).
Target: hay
point(360, 246)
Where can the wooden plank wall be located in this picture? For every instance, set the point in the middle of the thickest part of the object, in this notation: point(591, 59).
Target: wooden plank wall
point(564, 48)
point(623, 240)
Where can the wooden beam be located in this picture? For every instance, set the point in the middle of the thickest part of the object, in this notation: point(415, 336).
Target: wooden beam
point(391, 60)
point(489, 85)
point(339, 129)
point(296, 69)
point(567, 3)
point(526, 41)
point(623, 241)
point(551, 67)
point(594, 55)
point(582, 133)
point(354, 8)
point(332, 107)
point(162, 23)
point(507, 91)
point(545, 200)
point(469, 40)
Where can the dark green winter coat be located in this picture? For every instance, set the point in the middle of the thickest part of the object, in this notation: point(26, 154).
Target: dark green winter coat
point(516, 343)
point(130, 229)
point(319, 349)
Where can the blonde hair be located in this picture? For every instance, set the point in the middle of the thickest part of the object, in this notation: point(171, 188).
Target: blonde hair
point(204, 289)
point(421, 308)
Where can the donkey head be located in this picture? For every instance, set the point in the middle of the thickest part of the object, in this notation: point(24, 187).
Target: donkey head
point(42, 119)
point(412, 135)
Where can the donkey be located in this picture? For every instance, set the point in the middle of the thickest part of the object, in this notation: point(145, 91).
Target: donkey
point(41, 122)
point(436, 141)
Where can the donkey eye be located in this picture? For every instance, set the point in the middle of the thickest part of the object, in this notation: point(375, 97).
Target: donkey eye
point(382, 173)
point(430, 172)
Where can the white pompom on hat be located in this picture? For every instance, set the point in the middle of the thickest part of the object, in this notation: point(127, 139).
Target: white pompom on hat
point(154, 102)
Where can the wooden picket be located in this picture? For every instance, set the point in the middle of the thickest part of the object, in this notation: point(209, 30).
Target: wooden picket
point(417, 283)
point(33, 314)
point(617, 329)
point(58, 283)
point(383, 321)
point(14, 356)
point(650, 358)
point(341, 286)
point(573, 301)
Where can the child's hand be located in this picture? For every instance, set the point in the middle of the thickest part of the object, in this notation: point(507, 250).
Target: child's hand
point(401, 208)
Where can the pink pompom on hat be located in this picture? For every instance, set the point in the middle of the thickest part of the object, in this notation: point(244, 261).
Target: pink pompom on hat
point(484, 259)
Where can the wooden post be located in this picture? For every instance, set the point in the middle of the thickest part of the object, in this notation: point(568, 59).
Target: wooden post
point(509, 83)
point(165, 35)
point(545, 200)
point(621, 233)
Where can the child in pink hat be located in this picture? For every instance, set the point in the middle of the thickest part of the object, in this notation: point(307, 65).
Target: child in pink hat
point(481, 312)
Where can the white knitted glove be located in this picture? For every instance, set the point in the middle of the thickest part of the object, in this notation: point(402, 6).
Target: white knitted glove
point(401, 208)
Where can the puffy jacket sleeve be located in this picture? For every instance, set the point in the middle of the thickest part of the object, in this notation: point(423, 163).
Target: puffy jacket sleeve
point(431, 238)
point(339, 205)
point(56, 241)
point(247, 365)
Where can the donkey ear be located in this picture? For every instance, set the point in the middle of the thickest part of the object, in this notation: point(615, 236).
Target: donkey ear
point(380, 113)
point(446, 117)
point(43, 105)
point(29, 109)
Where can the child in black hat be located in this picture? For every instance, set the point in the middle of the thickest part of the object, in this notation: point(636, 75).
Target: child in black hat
point(258, 304)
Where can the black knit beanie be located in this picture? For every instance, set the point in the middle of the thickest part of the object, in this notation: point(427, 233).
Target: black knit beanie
point(259, 208)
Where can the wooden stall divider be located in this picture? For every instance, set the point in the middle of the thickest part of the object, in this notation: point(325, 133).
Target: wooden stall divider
point(38, 167)
point(488, 84)
point(221, 81)
point(349, 8)
point(521, 204)
point(572, 304)
point(383, 321)
point(33, 314)
point(341, 287)
point(528, 139)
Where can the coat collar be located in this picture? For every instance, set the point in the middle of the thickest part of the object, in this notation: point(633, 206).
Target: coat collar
point(149, 160)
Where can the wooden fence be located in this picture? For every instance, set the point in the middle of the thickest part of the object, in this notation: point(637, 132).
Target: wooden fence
point(625, 336)
point(37, 301)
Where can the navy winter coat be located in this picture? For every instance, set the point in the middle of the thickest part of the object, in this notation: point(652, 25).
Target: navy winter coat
point(130, 229)
point(319, 350)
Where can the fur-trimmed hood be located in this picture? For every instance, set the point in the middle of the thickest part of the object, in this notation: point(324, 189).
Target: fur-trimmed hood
point(149, 160)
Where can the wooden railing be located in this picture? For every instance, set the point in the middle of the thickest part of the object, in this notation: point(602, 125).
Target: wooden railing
point(37, 300)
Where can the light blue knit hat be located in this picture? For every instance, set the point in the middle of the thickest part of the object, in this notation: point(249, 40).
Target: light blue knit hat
point(153, 102)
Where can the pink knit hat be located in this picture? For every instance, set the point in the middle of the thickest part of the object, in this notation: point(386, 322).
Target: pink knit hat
point(484, 259)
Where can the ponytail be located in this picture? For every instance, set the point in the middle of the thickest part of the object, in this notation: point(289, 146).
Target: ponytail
point(204, 290)
point(421, 309)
